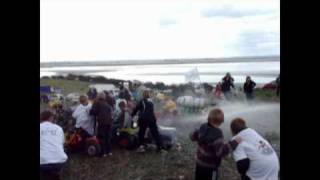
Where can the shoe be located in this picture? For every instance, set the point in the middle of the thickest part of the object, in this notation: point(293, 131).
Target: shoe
point(104, 155)
point(109, 154)
point(162, 151)
point(141, 149)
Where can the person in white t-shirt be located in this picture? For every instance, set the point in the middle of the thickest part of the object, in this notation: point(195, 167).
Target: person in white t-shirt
point(52, 155)
point(255, 157)
point(84, 121)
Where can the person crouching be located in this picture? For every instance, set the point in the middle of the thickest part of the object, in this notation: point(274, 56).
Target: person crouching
point(211, 146)
point(52, 155)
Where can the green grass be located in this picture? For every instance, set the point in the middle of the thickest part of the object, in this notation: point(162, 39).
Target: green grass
point(265, 94)
point(67, 86)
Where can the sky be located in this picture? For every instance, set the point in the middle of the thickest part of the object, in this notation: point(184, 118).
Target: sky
point(82, 30)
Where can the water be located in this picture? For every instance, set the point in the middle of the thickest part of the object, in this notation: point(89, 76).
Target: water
point(261, 116)
point(261, 72)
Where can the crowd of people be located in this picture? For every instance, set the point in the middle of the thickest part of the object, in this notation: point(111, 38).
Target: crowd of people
point(98, 114)
point(224, 87)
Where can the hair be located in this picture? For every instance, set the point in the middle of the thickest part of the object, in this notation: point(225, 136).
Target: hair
point(216, 116)
point(146, 94)
point(83, 99)
point(122, 103)
point(45, 115)
point(101, 95)
point(237, 125)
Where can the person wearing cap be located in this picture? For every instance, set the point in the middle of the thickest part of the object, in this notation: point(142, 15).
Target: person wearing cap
point(147, 119)
point(102, 113)
point(52, 155)
point(255, 157)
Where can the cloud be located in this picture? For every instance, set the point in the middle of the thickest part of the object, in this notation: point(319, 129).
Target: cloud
point(258, 43)
point(167, 22)
point(230, 11)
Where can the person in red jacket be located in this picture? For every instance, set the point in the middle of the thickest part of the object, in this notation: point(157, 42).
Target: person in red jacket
point(218, 91)
point(211, 146)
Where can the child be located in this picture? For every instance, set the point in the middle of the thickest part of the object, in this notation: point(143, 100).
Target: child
point(211, 146)
point(122, 116)
point(52, 155)
point(84, 121)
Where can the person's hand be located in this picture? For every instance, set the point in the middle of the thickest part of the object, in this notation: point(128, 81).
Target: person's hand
point(238, 139)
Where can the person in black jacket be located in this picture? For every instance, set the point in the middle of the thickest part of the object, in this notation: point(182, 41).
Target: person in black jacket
point(147, 119)
point(278, 85)
point(248, 87)
point(227, 83)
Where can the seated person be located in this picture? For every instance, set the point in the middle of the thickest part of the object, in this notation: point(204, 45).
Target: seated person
point(84, 122)
point(255, 157)
point(211, 146)
point(52, 155)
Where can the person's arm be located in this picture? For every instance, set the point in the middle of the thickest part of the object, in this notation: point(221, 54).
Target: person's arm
point(194, 136)
point(222, 148)
point(93, 110)
point(253, 84)
point(75, 114)
point(242, 160)
point(136, 109)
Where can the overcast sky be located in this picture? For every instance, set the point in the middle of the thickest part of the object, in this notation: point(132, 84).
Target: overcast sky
point(112, 30)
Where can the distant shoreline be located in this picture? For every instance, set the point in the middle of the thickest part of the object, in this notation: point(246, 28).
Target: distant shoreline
point(159, 61)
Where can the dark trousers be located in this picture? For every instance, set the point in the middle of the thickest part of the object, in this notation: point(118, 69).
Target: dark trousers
point(104, 136)
point(249, 96)
point(278, 91)
point(50, 171)
point(143, 125)
point(227, 95)
point(206, 173)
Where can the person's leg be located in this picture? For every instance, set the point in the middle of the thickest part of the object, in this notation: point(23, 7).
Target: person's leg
point(108, 139)
point(155, 134)
point(204, 173)
point(101, 137)
point(50, 171)
point(141, 133)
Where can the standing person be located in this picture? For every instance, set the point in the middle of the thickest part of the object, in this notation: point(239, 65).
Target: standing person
point(124, 93)
point(92, 93)
point(278, 85)
point(84, 122)
point(248, 87)
point(218, 91)
point(211, 146)
point(102, 112)
point(227, 83)
point(147, 119)
point(254, 156)
point(109, 99)
point(52, 155)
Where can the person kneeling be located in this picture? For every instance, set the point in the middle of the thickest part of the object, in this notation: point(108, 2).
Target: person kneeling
point(255, 157)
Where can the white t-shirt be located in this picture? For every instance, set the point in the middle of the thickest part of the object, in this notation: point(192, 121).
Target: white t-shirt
point(83, 119)
point(51, 144)
point(264, 163)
